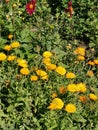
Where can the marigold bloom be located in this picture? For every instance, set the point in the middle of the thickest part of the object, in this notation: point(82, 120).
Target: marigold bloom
point(93, 97)
point(96, 61)
point(81, 87)
point(70, 75)
point(46, 61)
point(2, 56)
point(15, 44)
point(61, 70)
point(7, 47)
point(83, 99)
point(11, 58)
point(72, 87)
point(51, 66)
point(62, 90)
point(91, 63)
point(54, 95)
point(43, 75)
point(34, 78)
point(57, 103)
point(80, 57)
point(70, 108)
point(22, 63)
point(10, 36)
point(47, 54)
point(41, 72)
point(24, 71)
point(80, 51)
point(90, 73)
point(30, 7)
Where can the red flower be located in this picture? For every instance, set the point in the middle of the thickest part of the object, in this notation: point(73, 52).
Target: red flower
point(30, 7)
point(69, 9)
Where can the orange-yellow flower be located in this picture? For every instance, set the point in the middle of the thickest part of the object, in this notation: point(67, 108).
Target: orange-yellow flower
point(62, 90)
point(80, 57)
point(10, 36)
point(90, 73)
point(91, 63)
point(2, 56)
point(47, 54)
point(51, 66)
point(7, 48)
point(60, 70)
point(70, 75)
point(80, 51)
point(83, 99)
point(46, 61)
point(11, 58)
point(81, 87)
point(34, 78)
point(24, 71)
point(43, 75)
point(96, 61)
point(57, 103)
point(22, 63)
point(70, 108)
point(72, 87)
point(15, 44)
point(54, 95)
point(93, 97)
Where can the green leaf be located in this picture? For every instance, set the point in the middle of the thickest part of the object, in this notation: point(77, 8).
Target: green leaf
point(10, 108)
point(78, 118)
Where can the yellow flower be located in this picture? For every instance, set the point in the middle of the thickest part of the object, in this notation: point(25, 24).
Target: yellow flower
point(22, 63)
point(57, 103)
point(46, 61)
point(96, 61)
point(14, 5)
point(2, 56)
point(91, 63)
point(80, 51)
point(54, 95)
point(47, 54)
point(24, 71)
point(10, 36)
point(11, 58)
point(70, 108)
point(34, 78)
point(51, 66)
point(44, 77)
point(42, 74)
point(15, 44)
point(61, 70)
point(93, 97)
point(72, 87)
point(81, 87)
point(81, 57)
point(70, 75)
point(90, 73)
point(7, 48)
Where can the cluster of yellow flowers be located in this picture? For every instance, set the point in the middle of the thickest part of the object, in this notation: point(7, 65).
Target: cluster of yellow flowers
point(59, 69)
point(94, 62)
point(14, 44)
point(57, 103)
point(80, 51)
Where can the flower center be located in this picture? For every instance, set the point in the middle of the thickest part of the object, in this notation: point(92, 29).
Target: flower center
point(31, 6)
